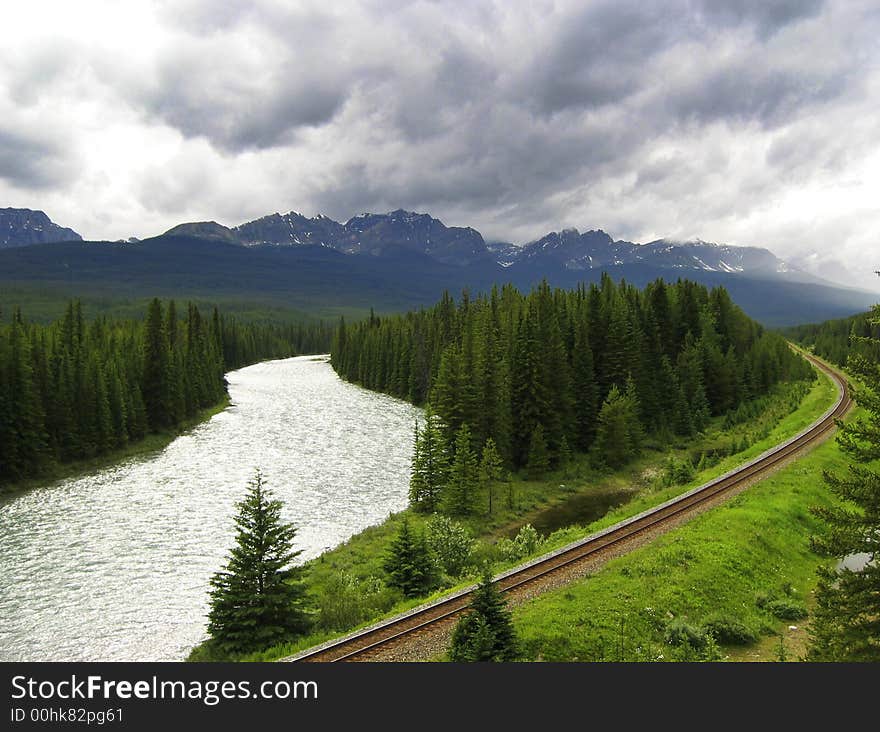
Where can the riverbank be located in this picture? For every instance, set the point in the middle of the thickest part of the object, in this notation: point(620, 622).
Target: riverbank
point(153, 442)
point(132, 547)
point(638, 486)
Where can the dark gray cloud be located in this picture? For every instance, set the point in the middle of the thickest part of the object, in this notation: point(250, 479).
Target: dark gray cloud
point(749, 91)
point(503, 116)
point(236, 117)
point(597, 56)
point(765, 16)
point(31, 162)
point(250, 83)
point(687, 116)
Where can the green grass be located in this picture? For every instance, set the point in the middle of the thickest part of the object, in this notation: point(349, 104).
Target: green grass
point(820, 397)
point(362, 555)
point(152, 443)
point(722, 563)
point(731, 562)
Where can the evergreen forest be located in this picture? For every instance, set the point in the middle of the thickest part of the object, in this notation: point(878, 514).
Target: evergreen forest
point(522, 380)
point(77, 389)
point(836, 340)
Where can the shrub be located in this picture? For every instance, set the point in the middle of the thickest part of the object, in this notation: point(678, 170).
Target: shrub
point(347, 601)
point(730, 631)
point(527, 542)
point(680, 633)
point(450, 544)
point(786, 609)
point(678, 472)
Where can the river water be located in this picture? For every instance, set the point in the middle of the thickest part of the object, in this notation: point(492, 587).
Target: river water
point(115, 565)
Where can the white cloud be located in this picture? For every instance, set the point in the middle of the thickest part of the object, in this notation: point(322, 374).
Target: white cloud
point(753, 127)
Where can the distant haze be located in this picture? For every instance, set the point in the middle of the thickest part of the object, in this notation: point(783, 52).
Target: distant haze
point(749, 123)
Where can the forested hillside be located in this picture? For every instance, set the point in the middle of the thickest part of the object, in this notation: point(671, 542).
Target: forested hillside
point(834, 340)
point(592, 369)
point(75, 389)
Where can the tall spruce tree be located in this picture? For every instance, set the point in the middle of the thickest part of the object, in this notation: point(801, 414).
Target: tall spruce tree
point(846, 622)
point(24, 438)
point(618, 434)
point(461, 490)
point(154, 384)
point(416, 474)
point(584, 388)
point(539, 458)
point(259, 598)
point(446, 397)
point(408, 562)
point(486, 632)
point(430, 465)
point(490, 471)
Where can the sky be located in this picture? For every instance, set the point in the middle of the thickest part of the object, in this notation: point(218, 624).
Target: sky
point(749, 123)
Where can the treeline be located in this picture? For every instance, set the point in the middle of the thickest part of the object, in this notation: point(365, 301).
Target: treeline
point(834, 340)
point(545, 373)
point(75, 389)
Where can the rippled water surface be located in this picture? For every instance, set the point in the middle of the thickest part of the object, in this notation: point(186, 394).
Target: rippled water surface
point(115, 565)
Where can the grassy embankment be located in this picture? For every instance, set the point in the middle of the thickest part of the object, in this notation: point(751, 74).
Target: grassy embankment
point(152, 443)
point(571, 499)
point(743, 570)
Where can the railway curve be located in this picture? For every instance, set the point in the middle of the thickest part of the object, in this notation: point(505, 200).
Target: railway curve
point(378, 641)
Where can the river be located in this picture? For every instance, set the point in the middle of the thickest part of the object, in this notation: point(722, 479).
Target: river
point(114, 566)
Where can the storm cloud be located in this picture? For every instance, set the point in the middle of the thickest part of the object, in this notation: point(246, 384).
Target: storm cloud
point(749, 123)
point(32, 161)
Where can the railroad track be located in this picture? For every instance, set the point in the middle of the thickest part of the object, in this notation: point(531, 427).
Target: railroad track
point(367, 644)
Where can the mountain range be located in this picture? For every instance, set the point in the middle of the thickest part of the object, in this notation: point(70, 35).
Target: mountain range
point(20, 227)
point(387, 234)
point(372, 234)
point(390, 261)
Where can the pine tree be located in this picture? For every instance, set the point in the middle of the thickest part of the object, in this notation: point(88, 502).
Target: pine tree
point(528, 398)
point(446, 396)
point(486, 632)
point(430, 465)
point(493, 413)
point(154, 384)
point(617, 357)
point(539, 459)
point(118, 407)
point(258, 599)
point(104, 432)
point(408, 562)
point(584, 388)
point(564, 458)
point(463, 476)
point(554, 369)
point(490, 470)
point(614, 444)
point(690, 373)
point(472, 640)
point(417, 488)
point(636, 432)
point(24, 438)
point(846, 623)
